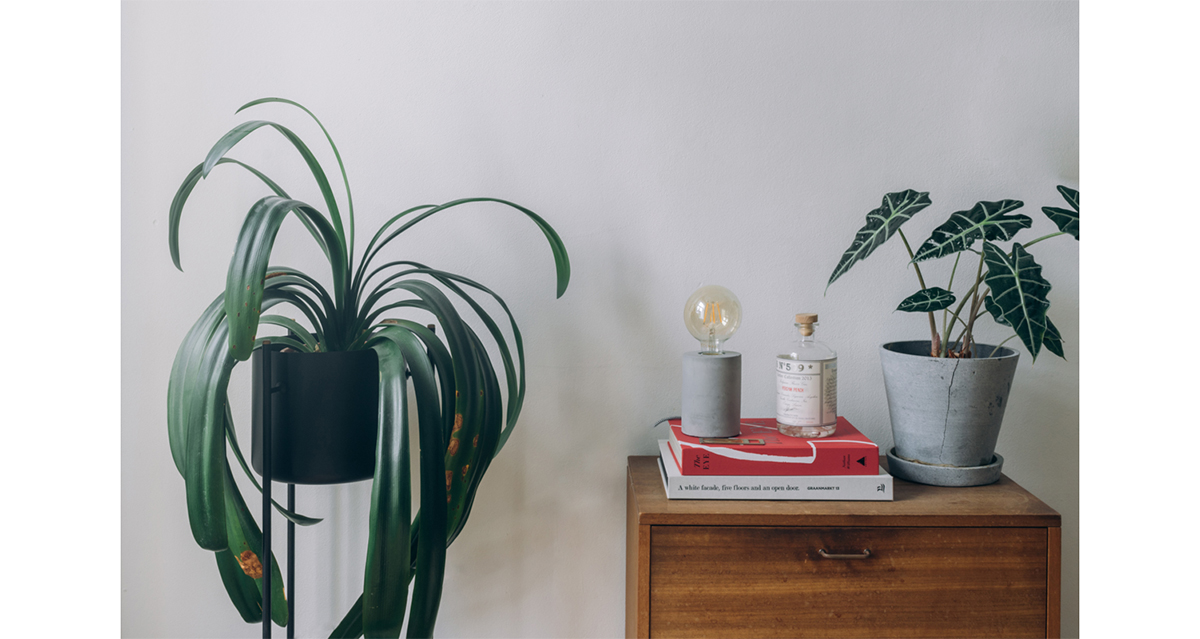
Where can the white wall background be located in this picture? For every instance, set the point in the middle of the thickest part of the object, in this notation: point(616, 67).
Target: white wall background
point(671, 145)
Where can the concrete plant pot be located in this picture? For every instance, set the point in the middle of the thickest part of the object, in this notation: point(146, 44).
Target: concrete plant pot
point(946, 413)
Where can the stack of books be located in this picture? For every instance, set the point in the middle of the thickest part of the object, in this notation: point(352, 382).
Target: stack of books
point(762, 463)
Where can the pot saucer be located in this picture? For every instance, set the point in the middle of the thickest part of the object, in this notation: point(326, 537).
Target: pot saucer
point(944, 475)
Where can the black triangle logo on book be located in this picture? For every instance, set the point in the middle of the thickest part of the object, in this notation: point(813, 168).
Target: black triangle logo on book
point(863, 461)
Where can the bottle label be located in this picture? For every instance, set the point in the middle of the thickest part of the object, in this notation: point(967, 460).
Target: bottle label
point(805, 392)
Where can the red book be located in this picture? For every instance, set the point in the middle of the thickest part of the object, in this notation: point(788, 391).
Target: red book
point(765, 451)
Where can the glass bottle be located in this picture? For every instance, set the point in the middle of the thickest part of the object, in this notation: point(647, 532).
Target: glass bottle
point(806, 385)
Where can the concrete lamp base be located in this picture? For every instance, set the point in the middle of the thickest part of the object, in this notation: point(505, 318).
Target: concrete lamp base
point(712, 394)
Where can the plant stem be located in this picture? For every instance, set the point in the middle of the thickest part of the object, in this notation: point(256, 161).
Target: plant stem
point(950, 287)
point(997, 346)
point(934, 346)
point(1044, 237)
point(965, 338)
point(954, 318)
point(964, 343)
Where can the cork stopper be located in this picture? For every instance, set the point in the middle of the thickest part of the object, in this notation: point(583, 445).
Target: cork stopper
point(805, 321)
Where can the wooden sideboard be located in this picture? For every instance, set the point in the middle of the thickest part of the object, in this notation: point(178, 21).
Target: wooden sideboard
point(936, 562)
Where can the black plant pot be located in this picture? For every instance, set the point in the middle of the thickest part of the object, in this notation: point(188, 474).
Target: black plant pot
point(323, 417)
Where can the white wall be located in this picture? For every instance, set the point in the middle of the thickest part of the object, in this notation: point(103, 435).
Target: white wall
point(671, 145)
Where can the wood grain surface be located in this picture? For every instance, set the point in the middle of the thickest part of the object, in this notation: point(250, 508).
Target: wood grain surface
point(733, 581)
point(944, 562)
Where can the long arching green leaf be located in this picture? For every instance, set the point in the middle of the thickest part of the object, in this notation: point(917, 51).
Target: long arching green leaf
point(241, 589)
point(1018, 293)
point(385, 582)
point(882, 223)
point(930, 299)
point(206, 447)
point(306, 337)
point(562, 264)
point(515, 382)
point(196, 419)
point(350, 626)
point(514, 377)
point(985, 221)
point(477, 418)
point(294, 277)
point(305, 305)
point(184, 373)
point(462, 445)
point(245, 545)
point(245, 281)
point(185, 190)
point(235, 135)
point(336, 154)
point(362, 267)
point(430, 563)
point(443, 367)
point(491, 418)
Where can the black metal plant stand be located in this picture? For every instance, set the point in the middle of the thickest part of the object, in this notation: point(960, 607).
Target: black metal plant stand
point(318, 390)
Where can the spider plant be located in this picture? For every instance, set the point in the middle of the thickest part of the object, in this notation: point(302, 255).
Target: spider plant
point(1012, 289)
point(464, 418)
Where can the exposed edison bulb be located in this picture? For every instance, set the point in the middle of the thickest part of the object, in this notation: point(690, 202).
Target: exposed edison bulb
point(712, 315)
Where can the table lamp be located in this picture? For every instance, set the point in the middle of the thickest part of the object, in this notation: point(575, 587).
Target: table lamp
point(712, 378)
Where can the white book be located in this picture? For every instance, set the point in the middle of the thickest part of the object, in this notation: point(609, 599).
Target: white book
point(778, 487)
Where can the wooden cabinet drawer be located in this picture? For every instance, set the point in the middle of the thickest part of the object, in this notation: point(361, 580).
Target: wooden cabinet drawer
point(983, 561)
point(734, 581)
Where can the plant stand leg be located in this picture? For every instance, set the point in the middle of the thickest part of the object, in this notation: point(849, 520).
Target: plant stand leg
point(291, 565)
point(268, 564)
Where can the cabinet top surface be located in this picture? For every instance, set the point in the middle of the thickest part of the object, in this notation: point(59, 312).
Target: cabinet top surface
point(1003, 503)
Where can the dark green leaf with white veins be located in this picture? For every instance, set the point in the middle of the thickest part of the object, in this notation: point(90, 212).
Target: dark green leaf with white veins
point(1066, 221)
point(1052, 339)
point(1070, 195)
point(994, 309)
point(926, 300)
point(1018, 293)
point(984, 221)
point(884, 221)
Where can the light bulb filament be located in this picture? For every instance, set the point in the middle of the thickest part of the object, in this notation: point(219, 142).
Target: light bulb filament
point(712, 316)
point(713, 319)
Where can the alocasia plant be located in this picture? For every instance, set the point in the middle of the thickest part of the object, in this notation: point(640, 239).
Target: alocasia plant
point(1011, 289)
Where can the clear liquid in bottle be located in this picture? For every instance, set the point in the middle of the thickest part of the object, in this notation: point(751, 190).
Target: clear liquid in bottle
point(806, 385)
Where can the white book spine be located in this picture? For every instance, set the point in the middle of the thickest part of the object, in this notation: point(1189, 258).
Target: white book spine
point(798, 487)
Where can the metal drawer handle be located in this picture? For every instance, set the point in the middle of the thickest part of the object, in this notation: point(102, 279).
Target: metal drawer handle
point(865, 553)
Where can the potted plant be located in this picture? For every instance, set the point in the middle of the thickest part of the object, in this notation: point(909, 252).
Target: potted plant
point(946, 396)
point(463, 421)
